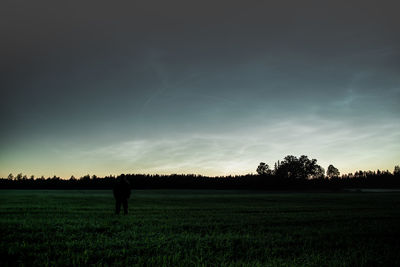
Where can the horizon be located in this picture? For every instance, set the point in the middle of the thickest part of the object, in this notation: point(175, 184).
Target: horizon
point(183, 174)
point(199, 88)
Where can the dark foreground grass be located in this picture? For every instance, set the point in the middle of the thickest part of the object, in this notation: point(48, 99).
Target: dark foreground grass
point(192, 228)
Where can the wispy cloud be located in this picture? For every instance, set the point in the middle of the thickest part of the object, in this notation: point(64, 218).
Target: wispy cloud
point(240, 151)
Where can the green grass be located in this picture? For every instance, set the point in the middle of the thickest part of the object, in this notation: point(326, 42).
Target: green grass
point(202, 228)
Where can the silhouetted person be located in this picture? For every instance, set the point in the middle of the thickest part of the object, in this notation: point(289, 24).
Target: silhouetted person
point(122, 192)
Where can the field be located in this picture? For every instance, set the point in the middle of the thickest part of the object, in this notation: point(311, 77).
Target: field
point(200, 228)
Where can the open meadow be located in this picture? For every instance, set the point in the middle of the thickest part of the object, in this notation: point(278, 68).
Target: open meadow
point(204, 227)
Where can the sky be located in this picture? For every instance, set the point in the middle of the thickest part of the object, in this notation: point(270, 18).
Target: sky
point(204, 87)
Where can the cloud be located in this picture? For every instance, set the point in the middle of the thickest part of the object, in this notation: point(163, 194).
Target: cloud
point(239, 152)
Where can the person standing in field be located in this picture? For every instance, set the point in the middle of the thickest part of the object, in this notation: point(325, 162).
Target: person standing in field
point(122, 192)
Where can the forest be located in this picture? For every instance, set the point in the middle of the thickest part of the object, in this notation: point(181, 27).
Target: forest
point(291, 173)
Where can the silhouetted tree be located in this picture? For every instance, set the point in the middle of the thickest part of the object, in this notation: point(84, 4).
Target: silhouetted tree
point(263, 168)
point(359, 174)
point(10, 176)
point(396, 170)
point(332, 171)
point(298, 168)
point(319, 172)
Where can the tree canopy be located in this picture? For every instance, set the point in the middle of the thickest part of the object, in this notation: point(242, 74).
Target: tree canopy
point(263, 168)
point(332, 171)
point(298, 168)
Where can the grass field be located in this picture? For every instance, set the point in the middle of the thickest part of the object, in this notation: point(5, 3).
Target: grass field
point(209, 228)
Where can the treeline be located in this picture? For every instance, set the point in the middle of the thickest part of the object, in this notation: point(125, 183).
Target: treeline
point(182, 181)
point(291, 173)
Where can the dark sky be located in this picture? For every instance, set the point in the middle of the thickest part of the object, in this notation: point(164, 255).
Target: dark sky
point(209, 87)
